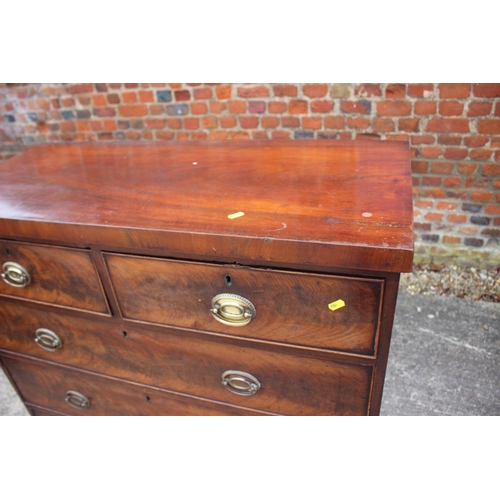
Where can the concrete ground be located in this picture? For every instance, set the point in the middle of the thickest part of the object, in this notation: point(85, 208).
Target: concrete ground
point(444, 360)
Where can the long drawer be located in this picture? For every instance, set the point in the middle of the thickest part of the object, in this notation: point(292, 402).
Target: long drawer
point(51, 275)
point(336, 313)
point(190, 363)
point(71, 392)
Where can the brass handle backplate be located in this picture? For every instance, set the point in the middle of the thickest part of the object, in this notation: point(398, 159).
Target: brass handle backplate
point(77, 400)
point(240, 383)
point(15, 275)
point(47, 339)
point(232, 310)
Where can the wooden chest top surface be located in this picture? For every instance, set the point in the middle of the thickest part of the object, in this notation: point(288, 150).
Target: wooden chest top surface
point(343, 198)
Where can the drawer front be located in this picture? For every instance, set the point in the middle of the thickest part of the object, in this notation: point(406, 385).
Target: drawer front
point(61, 276)
point(47, 386)
point(43, 412)
point(184, 362)
point(290, 307)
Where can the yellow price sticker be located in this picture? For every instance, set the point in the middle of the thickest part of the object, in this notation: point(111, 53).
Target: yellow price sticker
point(336, 305)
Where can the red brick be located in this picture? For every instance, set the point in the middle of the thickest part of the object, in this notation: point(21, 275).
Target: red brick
point(249, 121)
point(280, 134)
point(270, 121)
point(398, 137)
point(454, 90)
point(256, 107)
point(431, 181)
point(479, 108)
point(321, 106)
point(497, 109)
point(156, 109)
point(448, 125)
point(383, 125)
point(492, 210)
point(259, 134)
point(198, 108)
point(419, 167)
point(497, 156)
point(159, 86)
point(113, 98)
point(290, 121)
point(175, 85)
point(84, 99)
point(99, 100)
point(466, 168)
point(424, 203)
point(431, 152)
point(442, 167)
point(182, 95)
point(209, 122)
point(425, 107)
point(433, 216)
point(489, 127)
point(434, 193)
point(257, 91)
point(491, 90)
point(395, 91)
point(467, 230)
point(174, 123)
point(451, 108)
point(217, 107)
point(409, 124)
point(335, 122)
point(237, 107)
point(456, 218)
point(191, 123)
point(297, 107)
point(129, 97)
point(146, 96)
point(276, 107)
point(109, 125)
point(104, 112)
point(156, 123)
point(311, 123)
point(418, 89)
point(68, 126)
point(315, 90)
point(367, 137)
point(455, 153)
point(182, 136)
point(105, 136)
point(358, 107)
point(395, 108)
point(96, 126)
point(43, 104)
point(193, 84)
point(223, 92)
point(285, 90)
point(133, 110)
point(446, 205)
point(131, 85)
point(480, 154)
point(81, 88)
point(135, 136)
point(477, 182)
point(228, 121)
point(481, 196)
point(450, 140)
point(219, 134)
point(82, 126)
point(358, 122)
point(204, 93)
point(491, 170)
point(422, 139)
point(368, 90)
point(199, 136)
point(451, 240)
point(115, 86)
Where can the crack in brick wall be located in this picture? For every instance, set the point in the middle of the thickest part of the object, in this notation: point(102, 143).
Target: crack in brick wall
point(453, 131)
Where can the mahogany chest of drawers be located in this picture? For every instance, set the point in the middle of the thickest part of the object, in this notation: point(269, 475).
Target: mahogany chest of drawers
point(202, 278)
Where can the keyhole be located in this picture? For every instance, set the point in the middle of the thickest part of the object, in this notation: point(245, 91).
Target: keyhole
point(228, 279)
point(125, 334)
point(148, 399)
point(7, 250)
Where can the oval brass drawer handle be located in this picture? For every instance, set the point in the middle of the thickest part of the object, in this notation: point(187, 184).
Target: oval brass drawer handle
point(15, 275)
point(232, 310)
point(240, 383)
point(47, 339)
point(77, 400)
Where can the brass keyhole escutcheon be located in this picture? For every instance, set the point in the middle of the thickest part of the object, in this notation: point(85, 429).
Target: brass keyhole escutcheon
point(47, 339)
point(232, 310)
point(15, 275)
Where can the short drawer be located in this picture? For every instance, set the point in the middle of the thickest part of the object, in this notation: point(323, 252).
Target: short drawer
point(70, 392)
point(53, 275)
point(311, 310)
point(190, 363)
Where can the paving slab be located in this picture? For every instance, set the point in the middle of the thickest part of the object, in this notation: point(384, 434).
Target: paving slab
point(444, 360)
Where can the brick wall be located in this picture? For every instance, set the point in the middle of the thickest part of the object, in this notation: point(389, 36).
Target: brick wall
point(453, 131)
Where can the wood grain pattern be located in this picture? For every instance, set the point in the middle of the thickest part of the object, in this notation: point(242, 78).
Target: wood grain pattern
point(303, 200)
point(45, 386)
point(291, 384)
point(66, 277)
point(291, 307)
